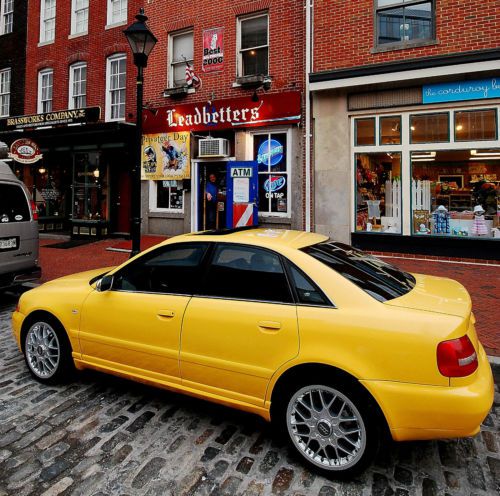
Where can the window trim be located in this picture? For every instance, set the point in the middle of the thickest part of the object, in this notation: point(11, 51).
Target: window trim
point(43, 20)
point(71, 96)
point(6, 70)
point(382, 47)
point(109, 60)
point(171, 36)
point(3, 15)
point(109, 15)
point(239, 58)
point(74, 33)
point(153, 191)
point(41, 74)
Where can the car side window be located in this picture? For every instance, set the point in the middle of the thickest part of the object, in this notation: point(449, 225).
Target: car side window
point(171, 269)
point(246, 273)
point(307, 292)
point(13, 204)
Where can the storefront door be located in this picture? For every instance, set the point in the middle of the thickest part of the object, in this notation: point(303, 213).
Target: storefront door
point(120, 203)
point(212, 192)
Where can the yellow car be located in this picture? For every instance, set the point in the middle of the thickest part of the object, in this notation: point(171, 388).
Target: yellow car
point(334, 346)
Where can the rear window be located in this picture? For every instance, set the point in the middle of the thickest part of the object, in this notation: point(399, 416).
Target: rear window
point(13, 204)
point(379, 279)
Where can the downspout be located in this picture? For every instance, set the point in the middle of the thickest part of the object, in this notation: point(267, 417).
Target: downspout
point(308, 136)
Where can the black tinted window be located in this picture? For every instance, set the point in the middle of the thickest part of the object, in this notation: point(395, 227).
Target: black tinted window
point(13, 204)
point(246, 273)
point(379, 279)
point(170, 269)
point(307, 292)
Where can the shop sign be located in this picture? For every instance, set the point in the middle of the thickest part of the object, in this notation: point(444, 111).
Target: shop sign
point(479, 89)
point(232, 113)
point(270, 152)
point(165, 156)
point(74, 116)
point(213, 50)
point(25, 151)
point(273, 185)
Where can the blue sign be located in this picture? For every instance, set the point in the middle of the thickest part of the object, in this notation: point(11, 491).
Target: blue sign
point(270, 151)
point(274, 184)
point(465, 90)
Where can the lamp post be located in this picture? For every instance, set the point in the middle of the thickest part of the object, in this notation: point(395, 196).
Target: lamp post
point(141, 41)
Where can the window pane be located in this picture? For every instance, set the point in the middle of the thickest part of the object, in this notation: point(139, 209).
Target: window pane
point(246, 273)
point(273, 193)
point(476, 125)
point(254, 32)
point(390, 130)
point(169, 195)
point(270, 151)
point(180, 74)
point(429, 128)
point(307, 292)
point(378, 198)
point(255, 61)
point(182, 47)
point(365, 131)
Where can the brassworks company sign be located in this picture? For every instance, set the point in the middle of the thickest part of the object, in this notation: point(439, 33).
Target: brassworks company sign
point(232, 113)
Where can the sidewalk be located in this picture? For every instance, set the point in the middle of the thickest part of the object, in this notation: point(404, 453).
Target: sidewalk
point(482, 281)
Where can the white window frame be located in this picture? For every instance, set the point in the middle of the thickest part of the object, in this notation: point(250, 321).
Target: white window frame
point(74, 18)
point(111, 21)
point(109, 61)
point(40, 102)
point(238, 42)
point(44, 20)
point(171, 63)
point(288, 172)
point(6, 16)
point(153, 196)
point(5, 85)
point(71, 95)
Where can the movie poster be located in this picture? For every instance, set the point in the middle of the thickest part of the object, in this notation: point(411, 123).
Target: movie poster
point(165, 156)
point(213, 50)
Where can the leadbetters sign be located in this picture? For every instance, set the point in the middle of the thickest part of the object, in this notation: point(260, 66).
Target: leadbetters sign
point(73, 116)
point(25, 151)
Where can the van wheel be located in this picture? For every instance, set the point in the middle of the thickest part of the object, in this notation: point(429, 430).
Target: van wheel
point(47, 350)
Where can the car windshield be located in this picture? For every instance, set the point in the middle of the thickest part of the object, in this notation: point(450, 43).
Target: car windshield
point(379, 279)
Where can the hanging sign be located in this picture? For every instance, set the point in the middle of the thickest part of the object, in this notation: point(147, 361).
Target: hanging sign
point(165, 156)
point(479, 89)
point(25, 151)
point(213, 50)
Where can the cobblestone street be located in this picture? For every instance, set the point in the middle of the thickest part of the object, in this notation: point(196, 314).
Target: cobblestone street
point(102, 435)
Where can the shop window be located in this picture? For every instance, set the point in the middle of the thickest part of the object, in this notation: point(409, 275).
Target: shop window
point(47, 21)
point(404, 22)
point(254, 45)
point(6, 16)
point(115, 83)
point(378, 192)
point(4, 92)
point(78, 86)
point(430, 128)
point(79, 16)
point(117, 11)
point(271, 154)
point(45, 90)
point(364, 131)
point(181, 51)
point(455, 193)
point(476, 125)
point(390, 130)
point(167, 196)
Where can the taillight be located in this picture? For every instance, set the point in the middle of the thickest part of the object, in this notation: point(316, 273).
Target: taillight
point(457, 357)
point(34, 209)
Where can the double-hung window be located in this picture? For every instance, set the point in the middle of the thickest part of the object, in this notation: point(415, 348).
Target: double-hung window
point(253, 43)
point(79, 16)
point(78, 85)
point(181, 51)
point(45, 86)
point(117, 11)
point(404, 22)
point(6, 16)
point(47, 21)
point(115, 84)
point(4, 92)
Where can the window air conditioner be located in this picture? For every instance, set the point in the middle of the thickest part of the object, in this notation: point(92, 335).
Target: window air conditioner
point(213, 147)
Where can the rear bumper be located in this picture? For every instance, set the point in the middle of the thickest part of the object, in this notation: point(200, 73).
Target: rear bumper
point(415, 411)
point(19, 277)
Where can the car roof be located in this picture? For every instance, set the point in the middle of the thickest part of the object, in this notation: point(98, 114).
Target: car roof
point(6, 173)
point(257, 236)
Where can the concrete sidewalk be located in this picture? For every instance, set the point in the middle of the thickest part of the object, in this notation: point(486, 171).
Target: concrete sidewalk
point(481, 280)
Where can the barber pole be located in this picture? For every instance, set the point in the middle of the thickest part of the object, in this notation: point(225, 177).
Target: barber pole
point(243, 214)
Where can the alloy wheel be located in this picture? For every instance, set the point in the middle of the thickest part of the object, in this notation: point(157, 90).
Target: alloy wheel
point(43, 351)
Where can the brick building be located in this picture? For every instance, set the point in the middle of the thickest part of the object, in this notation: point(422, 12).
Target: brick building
point(249, 56)
point(406, 97)
point(77, 57)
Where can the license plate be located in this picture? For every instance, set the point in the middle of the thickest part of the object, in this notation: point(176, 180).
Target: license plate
point(7, 244)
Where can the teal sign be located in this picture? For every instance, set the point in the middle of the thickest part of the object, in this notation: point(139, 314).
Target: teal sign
point(465, 90)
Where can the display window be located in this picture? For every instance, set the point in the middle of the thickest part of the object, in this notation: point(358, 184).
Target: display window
point(167, 196)
point(364, 131)
point(476, 125)
point(390, 130)
point(430, 128)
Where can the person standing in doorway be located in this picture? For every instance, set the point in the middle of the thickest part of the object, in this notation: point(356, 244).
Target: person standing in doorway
point(211, 191)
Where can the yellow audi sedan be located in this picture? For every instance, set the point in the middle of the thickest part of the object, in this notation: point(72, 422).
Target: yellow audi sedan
point(332, 345)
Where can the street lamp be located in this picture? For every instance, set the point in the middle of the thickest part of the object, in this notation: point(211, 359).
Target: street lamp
point(141, 41)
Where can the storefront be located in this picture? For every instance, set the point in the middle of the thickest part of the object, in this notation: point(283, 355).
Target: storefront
point(190, 153)
point(81, 181)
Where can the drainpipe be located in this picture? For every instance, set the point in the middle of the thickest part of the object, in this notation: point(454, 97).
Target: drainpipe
point(308, 136)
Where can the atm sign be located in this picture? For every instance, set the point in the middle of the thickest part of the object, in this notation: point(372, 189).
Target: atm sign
point(241, 172)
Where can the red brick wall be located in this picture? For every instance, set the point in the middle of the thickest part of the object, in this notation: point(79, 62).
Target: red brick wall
point(92, 48)
point(344, 32)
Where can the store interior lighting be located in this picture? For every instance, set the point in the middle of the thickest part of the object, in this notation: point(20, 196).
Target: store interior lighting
point(485, 153)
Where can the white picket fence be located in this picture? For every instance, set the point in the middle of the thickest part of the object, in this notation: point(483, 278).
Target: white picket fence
point(393, 198)
point(421, 195)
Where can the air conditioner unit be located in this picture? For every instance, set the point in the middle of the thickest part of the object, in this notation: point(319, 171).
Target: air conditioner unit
point(213, 147)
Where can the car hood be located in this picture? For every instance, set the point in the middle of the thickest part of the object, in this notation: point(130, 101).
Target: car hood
point(79, 278)
point(436, 294)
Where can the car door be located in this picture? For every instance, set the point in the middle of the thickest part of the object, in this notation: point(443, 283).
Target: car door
point(135, 327)
point(241, 327)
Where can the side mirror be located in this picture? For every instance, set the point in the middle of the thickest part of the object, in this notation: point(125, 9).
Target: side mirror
point(104, 284)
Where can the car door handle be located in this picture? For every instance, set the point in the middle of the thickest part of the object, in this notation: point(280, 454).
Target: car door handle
point(269, 324)
point(168, 314)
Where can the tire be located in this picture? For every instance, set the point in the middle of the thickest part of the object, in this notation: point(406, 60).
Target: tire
point(333, 426)
point(47, 350)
